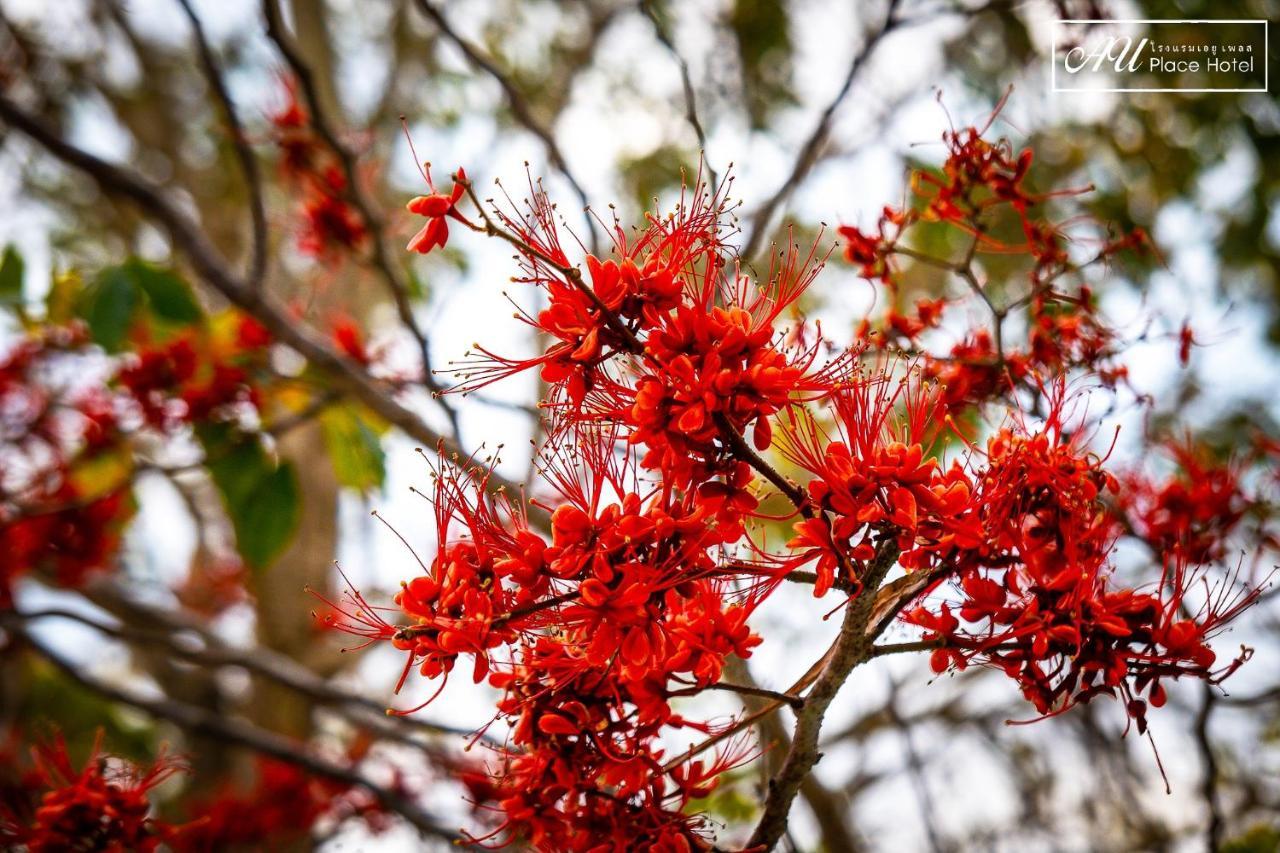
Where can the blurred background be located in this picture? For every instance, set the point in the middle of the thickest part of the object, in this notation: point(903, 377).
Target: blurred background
point(820, 109)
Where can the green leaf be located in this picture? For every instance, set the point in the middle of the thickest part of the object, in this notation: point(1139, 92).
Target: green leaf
point(108, 305)
point(354, 448)
point(11, 269)
point(268, 518)
point(262, 498)
point(169, 295)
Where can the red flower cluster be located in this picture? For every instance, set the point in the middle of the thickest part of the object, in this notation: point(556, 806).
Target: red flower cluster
point(631, 592)
point(331, 226)
point(64, 463)
point(103, 806)
point(980, 190)
point(284, 807)
point(1039, 595)
point(49, 520)
point(71, 539)
point(669, 378)
point(870, 252)
point(877, 478)
point(1191, 512)
point(191, 377)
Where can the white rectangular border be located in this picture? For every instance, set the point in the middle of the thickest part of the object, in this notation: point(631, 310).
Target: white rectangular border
point(1266, 50)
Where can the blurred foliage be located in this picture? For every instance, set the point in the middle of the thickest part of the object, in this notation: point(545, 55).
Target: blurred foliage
point(260, 494)
point(762, 34)
point(80, 715)
point(1147, 155)
point(11, 274)
point(353, 437)
point(114, 303)
point(1260, 839)
point(651, 174)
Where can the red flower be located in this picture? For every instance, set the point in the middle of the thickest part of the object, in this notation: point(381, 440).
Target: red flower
point(281, 809)
point(103, 806)
point(436, 207)
point(331, 225)
point(349, 338)
point(1037, 590)
point(1193, 511)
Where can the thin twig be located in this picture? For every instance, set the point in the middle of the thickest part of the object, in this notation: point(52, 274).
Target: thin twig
point(878, 651)
point(519, 106)
point(651, 10)
point(744, 690)
point(812, 147)
point(1209, 769)
point(239, 143)
point(829, 808)
point(392, 275)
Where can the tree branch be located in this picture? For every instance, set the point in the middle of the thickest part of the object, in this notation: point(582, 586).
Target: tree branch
point(812, 147)
point(214, 653)
point(829, 808)
point(1209, 768)
point(852, 647)
point(518, 105)
point(390, 272)
point(244, 154)
point(653, 12)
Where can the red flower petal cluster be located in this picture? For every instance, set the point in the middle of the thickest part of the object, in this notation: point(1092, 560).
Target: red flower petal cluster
point(629, 588)
point(284, 807)
point(331, 226)
point(103, 806)
point(71, 541)
point(1192, 511)
point(193, 376)
point(877, 478)
point(1038, 597)
point(49, 520)
point(64, 455)
point(979, 191)
point(438, 208)
point(870, 252)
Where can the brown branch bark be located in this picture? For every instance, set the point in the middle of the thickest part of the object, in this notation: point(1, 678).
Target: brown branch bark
point(829, 808)
point(852, 647)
